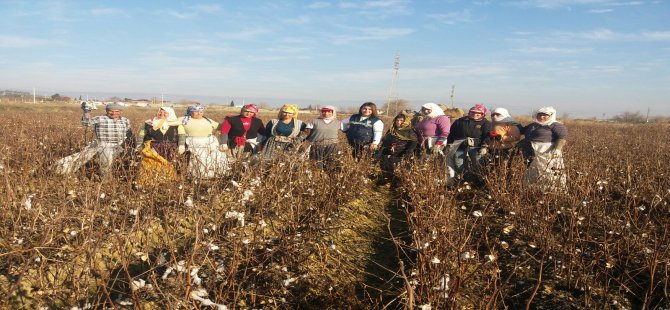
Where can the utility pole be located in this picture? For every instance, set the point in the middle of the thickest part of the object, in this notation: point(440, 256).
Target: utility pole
point(451, 100)
point(393, 91)
point(34, 102)
point(647, 114)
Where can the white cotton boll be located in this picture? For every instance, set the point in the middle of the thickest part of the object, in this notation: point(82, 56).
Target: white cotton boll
point(137, 284)
point(73, 233)
point(167, 272)
point(425, 307)
point(435, 260)
point(180, 266)
point(199, 292)
point(133, 212)
point(205, 231)
point(477, 213)
point(28, 202)
point(194, 275)
point(465, 255)
point(213, 247)
point(262, 223)
point(235, 184)
point(188, 202)
point(102, 196)
point(125, 302)
point(245, 241)
point(288, 281)
point(490, 257)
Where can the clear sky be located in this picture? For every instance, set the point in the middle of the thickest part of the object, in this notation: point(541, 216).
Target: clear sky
point(585, 57)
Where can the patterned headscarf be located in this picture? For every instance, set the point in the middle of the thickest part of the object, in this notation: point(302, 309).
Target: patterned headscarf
point(291, 108)
point(332, 116)
point(193, 108)
point(251, 108)
point(546, 110)
point(405, 131)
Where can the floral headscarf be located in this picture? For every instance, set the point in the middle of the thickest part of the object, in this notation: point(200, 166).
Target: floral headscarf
point(193, 108)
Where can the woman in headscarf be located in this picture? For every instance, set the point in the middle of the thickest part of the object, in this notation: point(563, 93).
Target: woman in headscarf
point(242, 132)
point(398, 143)
point(470, 136)
point(364, 130)
point(205, 160)
point(285, 134)
point(542, 147)
point(160, 140)
point(505, 134)
point(323, 138)
point(433, 129)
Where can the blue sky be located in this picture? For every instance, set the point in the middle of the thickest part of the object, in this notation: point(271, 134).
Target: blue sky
point(585, 57)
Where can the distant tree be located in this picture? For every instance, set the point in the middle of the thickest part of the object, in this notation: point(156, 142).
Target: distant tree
point(232, 103)
point(127, 99)
point(55, 97)
point(263, 105)
point(395, 106)
point(115, 99)
point(629, 117)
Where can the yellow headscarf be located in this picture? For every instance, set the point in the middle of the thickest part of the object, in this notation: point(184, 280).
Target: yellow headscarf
point(291, 108)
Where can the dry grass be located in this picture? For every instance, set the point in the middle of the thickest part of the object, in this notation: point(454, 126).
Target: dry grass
point(332, 239)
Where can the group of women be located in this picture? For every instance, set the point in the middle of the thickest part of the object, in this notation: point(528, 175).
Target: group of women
point(420, 135)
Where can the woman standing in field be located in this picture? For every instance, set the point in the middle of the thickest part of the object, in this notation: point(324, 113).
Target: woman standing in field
point(160, 140)
point(470, 136)
point(433, 129)
point(505, 134)
point(205, 160)
point(398, 143)
point(542, 147)
point(323, 138)
point(364, 130)
point(242, 132)
point(285, 133)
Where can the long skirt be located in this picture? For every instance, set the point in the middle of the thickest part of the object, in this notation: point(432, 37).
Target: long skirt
point(157, 166)
point(106, 152)
point(544, 170)
point(206, 161)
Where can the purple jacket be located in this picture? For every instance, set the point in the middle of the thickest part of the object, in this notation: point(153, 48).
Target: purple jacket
point(433, 127)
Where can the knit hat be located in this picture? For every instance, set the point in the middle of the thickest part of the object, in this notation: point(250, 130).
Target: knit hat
point(113, 106)
point(478, 108)
point(250, 108)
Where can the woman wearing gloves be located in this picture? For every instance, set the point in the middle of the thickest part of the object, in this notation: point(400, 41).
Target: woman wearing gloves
point(505, 133)
point(364, 130)
point(205, 160)
point(470, 135)
point(242, 132)
point(433, 129)
point(160, 140)
point(542, 148)
point(285, 133)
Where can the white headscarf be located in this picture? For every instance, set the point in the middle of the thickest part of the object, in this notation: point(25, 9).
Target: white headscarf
point(504, 116)
point(546, 110)
point(332, 117)
point(435, 110)
point(164, 123)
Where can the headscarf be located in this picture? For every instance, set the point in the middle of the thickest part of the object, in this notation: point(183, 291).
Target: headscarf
point(504, 116)
point(164, 123)
point(546, 110)
point(479, 108)
point(291, 108)
point(405, 131)
point(330, 118)
point(251, 108)
point(435, 110)
point(193, 108)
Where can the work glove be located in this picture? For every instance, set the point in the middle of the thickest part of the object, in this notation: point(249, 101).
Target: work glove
point(181, 150)
point(438, 148)
point(557, 150)
point(373, 147)
point(223, 148)
point(556, 154)
point(483, 151)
